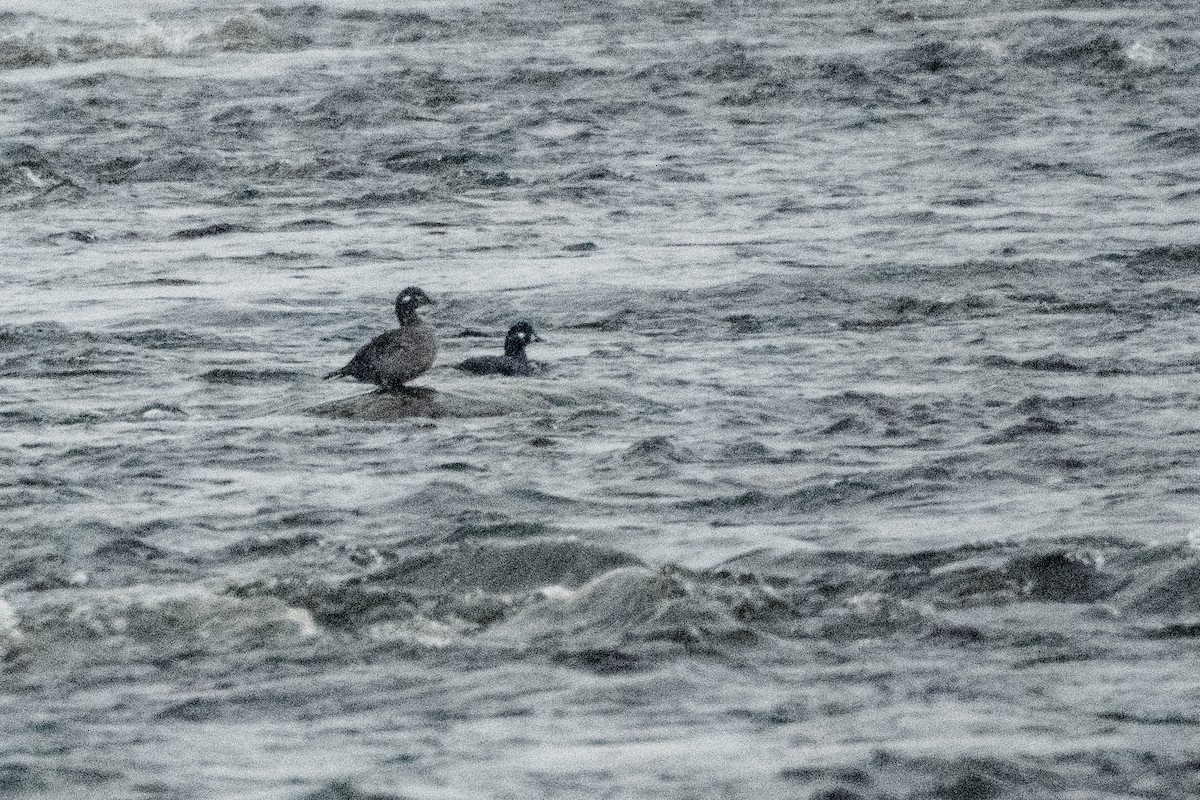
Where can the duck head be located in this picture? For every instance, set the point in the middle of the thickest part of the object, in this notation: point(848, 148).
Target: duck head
point(408, 301)
point(518, 336)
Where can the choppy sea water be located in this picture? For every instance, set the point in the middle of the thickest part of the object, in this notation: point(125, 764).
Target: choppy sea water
point(864, 465)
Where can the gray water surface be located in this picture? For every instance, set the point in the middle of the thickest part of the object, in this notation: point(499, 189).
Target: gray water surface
point(864, 465)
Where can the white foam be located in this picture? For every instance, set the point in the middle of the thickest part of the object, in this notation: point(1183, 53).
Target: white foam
point(9, 630)
point(1142, 55)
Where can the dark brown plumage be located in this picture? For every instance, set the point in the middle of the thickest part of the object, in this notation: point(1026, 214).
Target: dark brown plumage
point(514, 362)
point(392, 359)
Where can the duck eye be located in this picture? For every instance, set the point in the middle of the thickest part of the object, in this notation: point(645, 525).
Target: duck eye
point(407, 298)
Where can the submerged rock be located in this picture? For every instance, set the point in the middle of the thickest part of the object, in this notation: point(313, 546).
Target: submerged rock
point(471, 399)
point(503, 566)
point(412, 401)
point(1169, 589)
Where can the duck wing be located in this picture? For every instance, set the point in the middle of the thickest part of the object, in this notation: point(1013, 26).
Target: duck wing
point(393, 357)
point(362, 366)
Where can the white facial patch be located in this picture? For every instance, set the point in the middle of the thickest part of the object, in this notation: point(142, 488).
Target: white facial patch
point(406, 298)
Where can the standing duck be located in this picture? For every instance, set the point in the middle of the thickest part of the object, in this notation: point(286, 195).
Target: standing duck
point(392, 359)
point(513, 362)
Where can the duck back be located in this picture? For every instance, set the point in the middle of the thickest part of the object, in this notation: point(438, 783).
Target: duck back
point(392, 359)
point(496, 365)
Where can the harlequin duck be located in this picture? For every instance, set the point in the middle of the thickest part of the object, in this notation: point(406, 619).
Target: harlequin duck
point(392, 359)
point(513, 362)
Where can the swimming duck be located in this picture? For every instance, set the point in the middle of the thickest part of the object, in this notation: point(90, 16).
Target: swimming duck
point(513, 362)
point(392, 359)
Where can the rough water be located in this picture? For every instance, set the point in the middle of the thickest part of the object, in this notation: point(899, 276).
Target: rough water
point(864, 465)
